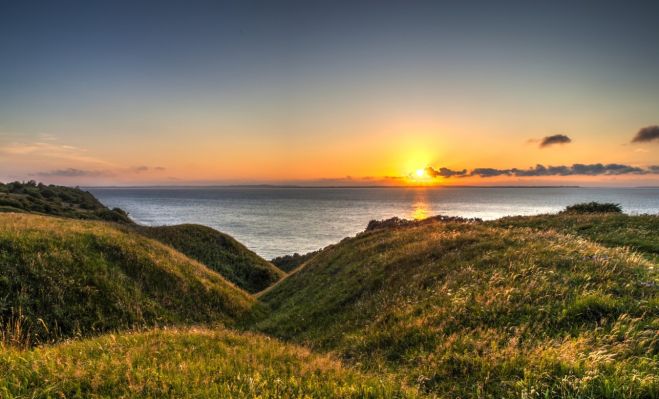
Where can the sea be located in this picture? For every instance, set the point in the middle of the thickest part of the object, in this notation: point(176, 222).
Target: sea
point(275, 221)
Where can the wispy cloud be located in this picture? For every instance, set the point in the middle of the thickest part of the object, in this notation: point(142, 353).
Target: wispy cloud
point(647, 134)
point(554, 139)
point(75, 172)
point(49, 149)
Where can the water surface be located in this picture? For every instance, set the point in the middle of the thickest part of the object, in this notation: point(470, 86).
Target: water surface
point(278, 221)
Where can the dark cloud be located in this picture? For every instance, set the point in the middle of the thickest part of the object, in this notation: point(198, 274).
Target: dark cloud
point(577, 169)
point(72, 172)
point(555, 139)
point(490, 172)
point(144, 168)
point(445, 172)
point(647, 134)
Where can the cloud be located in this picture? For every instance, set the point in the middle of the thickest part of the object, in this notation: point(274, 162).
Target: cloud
point(73, 172)
point(647, 134)
point(577, 169)
point(444, 172)
point(490, 172)
point(49, 150)
point(144, 168)
point(555, 139)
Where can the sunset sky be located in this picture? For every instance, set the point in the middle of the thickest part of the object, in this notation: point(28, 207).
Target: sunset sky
point(335, 93)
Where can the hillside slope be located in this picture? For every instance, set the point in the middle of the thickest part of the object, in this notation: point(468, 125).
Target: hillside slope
point(62, 278)
point(32, 197)
point(475, 310)
point(640, 233)
point(182, 363)
point(218, 251)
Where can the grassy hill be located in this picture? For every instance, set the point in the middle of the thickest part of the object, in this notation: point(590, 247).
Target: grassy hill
point(482, 309)
point(218, 251)
point(32, 197)
point(640, 233)
point(63, 278)
point(180, 363)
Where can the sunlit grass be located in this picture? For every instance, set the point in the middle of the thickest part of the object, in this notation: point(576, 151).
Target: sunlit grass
point(177, 363)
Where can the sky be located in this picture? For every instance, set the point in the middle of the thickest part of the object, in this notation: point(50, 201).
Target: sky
point(329, 93)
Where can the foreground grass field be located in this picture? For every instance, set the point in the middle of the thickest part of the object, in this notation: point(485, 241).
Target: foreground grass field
point(476, 310)
point(182, 363)
point(549, 306)
point(64, 278)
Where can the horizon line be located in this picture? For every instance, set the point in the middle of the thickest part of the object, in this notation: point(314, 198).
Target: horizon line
point(295, 186)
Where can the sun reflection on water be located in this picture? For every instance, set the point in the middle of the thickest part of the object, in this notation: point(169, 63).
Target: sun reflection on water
point(421, 211)
point(420, 208)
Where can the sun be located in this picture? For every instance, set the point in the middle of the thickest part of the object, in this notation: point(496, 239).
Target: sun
point(420, 172)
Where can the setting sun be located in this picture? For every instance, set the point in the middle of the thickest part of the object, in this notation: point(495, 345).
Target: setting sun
point(420, 172)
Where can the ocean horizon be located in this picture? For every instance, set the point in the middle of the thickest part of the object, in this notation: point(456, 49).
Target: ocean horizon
point(278, 220)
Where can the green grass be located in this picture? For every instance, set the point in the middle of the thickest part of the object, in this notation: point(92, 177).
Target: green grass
point(219, 252)
point(200, 363)
point(640, 233)
point(465, 310)
point(64, 278)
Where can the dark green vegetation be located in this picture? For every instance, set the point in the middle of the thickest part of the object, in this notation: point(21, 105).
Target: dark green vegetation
point(183, 363)
point(219, 252)
point(593, 207)
point(289, 262)
point(63, 278)
point(56, 200)
point(481, 310)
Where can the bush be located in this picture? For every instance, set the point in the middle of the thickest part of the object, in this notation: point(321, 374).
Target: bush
point(593, 207)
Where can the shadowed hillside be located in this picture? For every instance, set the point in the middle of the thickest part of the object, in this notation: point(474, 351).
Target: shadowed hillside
point(288, 263)
point(474, 310)
point(63, 278)
point(220, 252)
point(182, 363)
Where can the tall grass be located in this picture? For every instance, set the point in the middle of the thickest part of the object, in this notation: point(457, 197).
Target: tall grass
point(178, 363)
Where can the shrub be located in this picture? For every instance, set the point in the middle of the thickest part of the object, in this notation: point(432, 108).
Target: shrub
point(593, 207)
